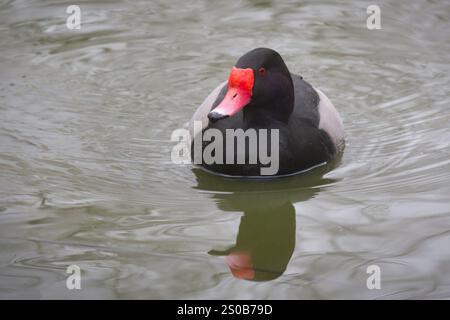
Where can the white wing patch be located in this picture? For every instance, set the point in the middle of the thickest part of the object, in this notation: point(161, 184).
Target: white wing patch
point(330, 121)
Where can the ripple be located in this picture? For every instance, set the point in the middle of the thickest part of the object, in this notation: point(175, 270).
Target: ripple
point(85, 150)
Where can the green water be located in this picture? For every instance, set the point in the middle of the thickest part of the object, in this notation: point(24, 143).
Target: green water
point(86, 176)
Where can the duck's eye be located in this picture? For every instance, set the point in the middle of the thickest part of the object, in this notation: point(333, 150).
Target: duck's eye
point(262, 71)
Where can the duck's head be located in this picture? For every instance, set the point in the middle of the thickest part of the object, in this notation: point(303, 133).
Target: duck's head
point(259, 82)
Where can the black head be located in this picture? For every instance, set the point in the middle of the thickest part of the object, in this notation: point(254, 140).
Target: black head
point(260, 84)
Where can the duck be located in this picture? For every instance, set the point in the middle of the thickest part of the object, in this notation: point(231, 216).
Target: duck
point(261, 94)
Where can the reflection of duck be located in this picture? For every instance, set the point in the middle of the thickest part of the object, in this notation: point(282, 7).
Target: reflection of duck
point(266, 237)
point(264, 244)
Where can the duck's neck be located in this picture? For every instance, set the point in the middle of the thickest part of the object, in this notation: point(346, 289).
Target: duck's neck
point(276, 109)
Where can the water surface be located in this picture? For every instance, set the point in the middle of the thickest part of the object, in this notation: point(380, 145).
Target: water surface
point(86, 176)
